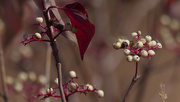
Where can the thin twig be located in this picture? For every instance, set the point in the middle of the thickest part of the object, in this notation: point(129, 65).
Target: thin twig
point(59, 72)
point(55, 53)
point(3, 73)
point(134, 80)
point(48, 64)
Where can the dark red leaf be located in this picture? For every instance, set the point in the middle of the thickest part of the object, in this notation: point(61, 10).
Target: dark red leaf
point(76, 6)
point(79, 19)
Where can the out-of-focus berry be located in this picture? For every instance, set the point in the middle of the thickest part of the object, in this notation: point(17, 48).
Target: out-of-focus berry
point(127, 51)
point(134, 35)
point(22, 76)
point(32, 76)
point(74, 86)
point(100, 93)
point(90, 87)
point(39, 19)
point(148, 38)
point(18, 86)
point(143, 40)
point(117, 45)
point(159, 45)
point(129, 58)
point(151, 52)
point(144, 53)
point(72, 74)
point(42, 79)
point(139, 44)
point(9, 80)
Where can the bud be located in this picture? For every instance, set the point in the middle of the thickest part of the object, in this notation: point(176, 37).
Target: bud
point(144, 53)
point(127, 51)
point(72, 74)
point(39, 19)
point(151, 52)
point(74, 29)
point(129, 58)
point(68, 26)
point(37, 35)
point(100, 93)
point(139, 33)
point(136, 58)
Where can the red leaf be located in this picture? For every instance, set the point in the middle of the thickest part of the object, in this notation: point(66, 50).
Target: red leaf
point(79, 19)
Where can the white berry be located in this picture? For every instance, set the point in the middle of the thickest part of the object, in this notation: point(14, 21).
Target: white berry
point(134, 35)
point(117, 45)
point(148, 38)
point(159, 45)
point(139, 44)
point(72, 74)
point(151, 52)
point(37, 35)
point(144, 53)
point(136, 58)
point(39, 19)
point(129, 58)
point(127, 51)
point(100, 93)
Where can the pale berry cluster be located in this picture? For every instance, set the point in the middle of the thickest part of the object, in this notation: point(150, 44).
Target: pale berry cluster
point(70, 88)
point(57, 30)
point(138, 47)
point(26, 84)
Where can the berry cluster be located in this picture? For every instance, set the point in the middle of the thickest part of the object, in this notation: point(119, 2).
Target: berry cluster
point(138, 47)
point(26, 84)
point(57, 30)
point(70, 88)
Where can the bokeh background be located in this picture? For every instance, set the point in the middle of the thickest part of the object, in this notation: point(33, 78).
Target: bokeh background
point(103, 66)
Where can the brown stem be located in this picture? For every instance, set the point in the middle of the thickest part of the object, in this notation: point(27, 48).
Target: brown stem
point(59, 70)
point(134, 80)
point(3, 73)
point(56, 56)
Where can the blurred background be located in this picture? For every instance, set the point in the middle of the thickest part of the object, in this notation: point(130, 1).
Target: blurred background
point(103, 66)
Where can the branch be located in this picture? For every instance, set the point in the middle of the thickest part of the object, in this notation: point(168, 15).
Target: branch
point(3, 73)
point(55, 53)
point(134, 80)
